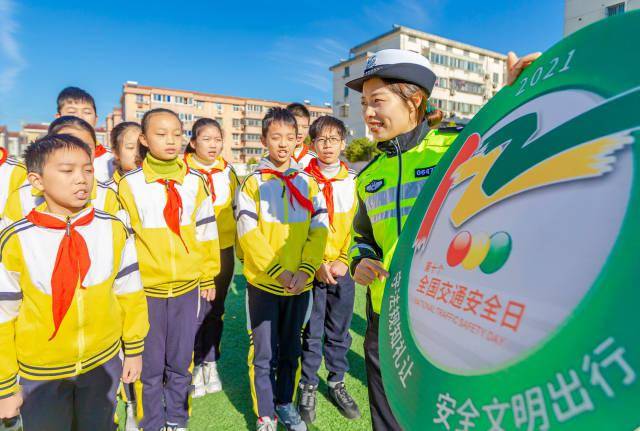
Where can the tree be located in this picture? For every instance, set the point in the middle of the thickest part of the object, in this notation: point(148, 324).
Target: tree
point(360, 150)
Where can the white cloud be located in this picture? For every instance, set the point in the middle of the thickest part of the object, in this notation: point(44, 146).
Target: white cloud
point(10, 56)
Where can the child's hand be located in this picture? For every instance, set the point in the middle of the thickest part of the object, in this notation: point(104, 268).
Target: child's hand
point(324, 274)
point(208, 294)
point(131, 368)
point(338, 268)
point(10, 406)
point(298, 282)
point(285, 278)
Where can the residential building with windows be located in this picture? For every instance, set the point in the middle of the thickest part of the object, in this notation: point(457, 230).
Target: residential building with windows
point(468, 76)
point(240, 117)
point(580, 13)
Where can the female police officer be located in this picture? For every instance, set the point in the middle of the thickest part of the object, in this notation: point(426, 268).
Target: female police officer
point(395, 87)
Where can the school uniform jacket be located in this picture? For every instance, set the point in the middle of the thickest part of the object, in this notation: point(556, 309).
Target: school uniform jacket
point(168, 268)
point(104, 166)
point(276, 235)
point(225, 185)
point(12, 175)
point(345, 204)
point(110, 313)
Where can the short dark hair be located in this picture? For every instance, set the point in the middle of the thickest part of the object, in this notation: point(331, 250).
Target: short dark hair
point(278, 115)
point(298, 110)
point(327, 122)
point(73, 121)
point(144, 124)
point(199, 125)
point(118, 131)
point(77, 95)
point(38, 152)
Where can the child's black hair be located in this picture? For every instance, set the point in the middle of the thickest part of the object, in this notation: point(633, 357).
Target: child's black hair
point(72, 121)
point(118, 132)
point(278, 115)
point(327, 122)
point(77, 95)
point(38, 152)
point(299, 110)
point(144, 124)
point(199, 125)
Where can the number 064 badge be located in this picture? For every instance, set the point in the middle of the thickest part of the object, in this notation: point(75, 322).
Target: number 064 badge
point(513, 298)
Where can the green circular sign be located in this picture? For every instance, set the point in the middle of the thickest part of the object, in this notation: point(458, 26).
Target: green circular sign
point(513, 298)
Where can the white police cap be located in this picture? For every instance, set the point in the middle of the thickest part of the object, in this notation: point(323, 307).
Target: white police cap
point(397, 64)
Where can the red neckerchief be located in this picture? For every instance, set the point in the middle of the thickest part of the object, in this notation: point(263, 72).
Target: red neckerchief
point(100, 151)
point(3, 155)
point(209, 174)
point(72, 262)
point(313, 169)
point(303, 153)
point(173, 208)
point(293, 190)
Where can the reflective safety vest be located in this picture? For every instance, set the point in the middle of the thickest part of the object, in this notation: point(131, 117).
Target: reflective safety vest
point(387, 189)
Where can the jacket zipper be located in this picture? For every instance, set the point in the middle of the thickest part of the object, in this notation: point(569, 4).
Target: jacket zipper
point(398, 187)
point(80, 307)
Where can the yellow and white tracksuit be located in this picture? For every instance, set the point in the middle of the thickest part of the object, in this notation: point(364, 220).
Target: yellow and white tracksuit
point(110, 313)
point(13, 174)
point(276, 233)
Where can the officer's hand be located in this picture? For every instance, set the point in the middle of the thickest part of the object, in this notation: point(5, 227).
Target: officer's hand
point(339, 268)
point(10, 406)
point(285, 278)
point(368, 270)
point(324, 274)
point(515, 66)
point(298, 282)
point(131, 368)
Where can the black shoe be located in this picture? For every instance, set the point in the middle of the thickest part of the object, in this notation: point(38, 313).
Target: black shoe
point(343, 401)
point(307, 402)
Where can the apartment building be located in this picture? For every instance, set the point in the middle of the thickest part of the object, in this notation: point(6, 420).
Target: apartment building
point(580, 13)
point(468, 76)
point(241, 118)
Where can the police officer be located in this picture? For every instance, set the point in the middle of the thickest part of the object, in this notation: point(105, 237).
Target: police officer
point(395, 87)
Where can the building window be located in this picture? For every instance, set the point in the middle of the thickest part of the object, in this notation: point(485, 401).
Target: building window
point(442, 83)
point(236, 122)
point(254, 108)
point(139, 98)
point(466, 86)
point(157, 97)
point(237, 108)
point(496, 78)
point(199, 104)
point(346, 92)
point(253, 122)
point(412, 39)
point(236, 137)
point(179, 99)
point(219, 120)
point(344, 111)
point(347, 72)
point(219, 107)
point(252, 137)
point(139, 115)
point(167, 99)
point(616, 9)
point(496, 61)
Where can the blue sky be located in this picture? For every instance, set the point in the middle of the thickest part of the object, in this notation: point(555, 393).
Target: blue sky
point(274, 50)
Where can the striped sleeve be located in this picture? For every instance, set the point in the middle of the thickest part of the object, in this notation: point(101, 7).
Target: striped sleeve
point(10, 300)
point(128, 289)
point(253, 243)
point(207, 236)
point(313, 250)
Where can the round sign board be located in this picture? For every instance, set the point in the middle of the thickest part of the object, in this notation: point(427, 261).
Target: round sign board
point(514, 291)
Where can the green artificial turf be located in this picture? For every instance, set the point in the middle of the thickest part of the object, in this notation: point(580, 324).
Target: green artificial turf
point(232, 409)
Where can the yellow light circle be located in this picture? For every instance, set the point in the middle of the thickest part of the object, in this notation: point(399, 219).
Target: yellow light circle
point(478, 251)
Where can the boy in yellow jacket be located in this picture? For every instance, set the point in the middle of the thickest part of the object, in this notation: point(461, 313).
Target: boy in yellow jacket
point(327, 333)
point(282, 231)
point(172, 215)
point(70, 299)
